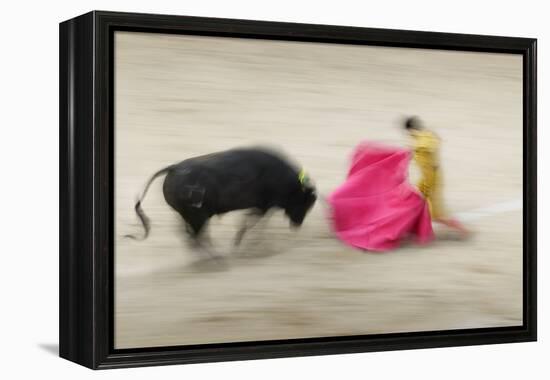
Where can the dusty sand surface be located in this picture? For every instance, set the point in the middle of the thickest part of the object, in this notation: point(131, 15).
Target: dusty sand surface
point(181, 96)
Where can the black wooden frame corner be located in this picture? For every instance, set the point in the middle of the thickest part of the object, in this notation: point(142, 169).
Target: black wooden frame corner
point(86, 189)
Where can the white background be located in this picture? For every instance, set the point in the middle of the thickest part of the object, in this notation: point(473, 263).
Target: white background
point(29, 191)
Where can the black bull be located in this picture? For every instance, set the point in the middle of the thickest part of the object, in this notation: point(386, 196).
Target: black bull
point(237, 179)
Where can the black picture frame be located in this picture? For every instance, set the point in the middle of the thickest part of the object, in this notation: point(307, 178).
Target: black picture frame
point(86, 189)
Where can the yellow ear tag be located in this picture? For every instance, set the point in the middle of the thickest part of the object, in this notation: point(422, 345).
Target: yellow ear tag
point(302, 177)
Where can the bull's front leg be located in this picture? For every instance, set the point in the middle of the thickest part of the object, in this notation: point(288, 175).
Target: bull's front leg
point(250, 220)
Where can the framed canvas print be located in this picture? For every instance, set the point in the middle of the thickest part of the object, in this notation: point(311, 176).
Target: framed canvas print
point(235, 189)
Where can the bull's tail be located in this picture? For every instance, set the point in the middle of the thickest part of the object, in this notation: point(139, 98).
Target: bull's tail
point(139, 211)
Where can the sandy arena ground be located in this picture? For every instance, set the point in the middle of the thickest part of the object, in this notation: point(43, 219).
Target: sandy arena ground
point(181, 96)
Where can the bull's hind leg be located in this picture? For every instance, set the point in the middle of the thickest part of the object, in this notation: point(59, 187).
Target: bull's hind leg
point(195, 225)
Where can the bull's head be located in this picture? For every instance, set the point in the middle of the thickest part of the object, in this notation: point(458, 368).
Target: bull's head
point(301, 200)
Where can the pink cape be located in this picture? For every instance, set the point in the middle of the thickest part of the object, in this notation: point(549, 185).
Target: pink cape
point(376, 207)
